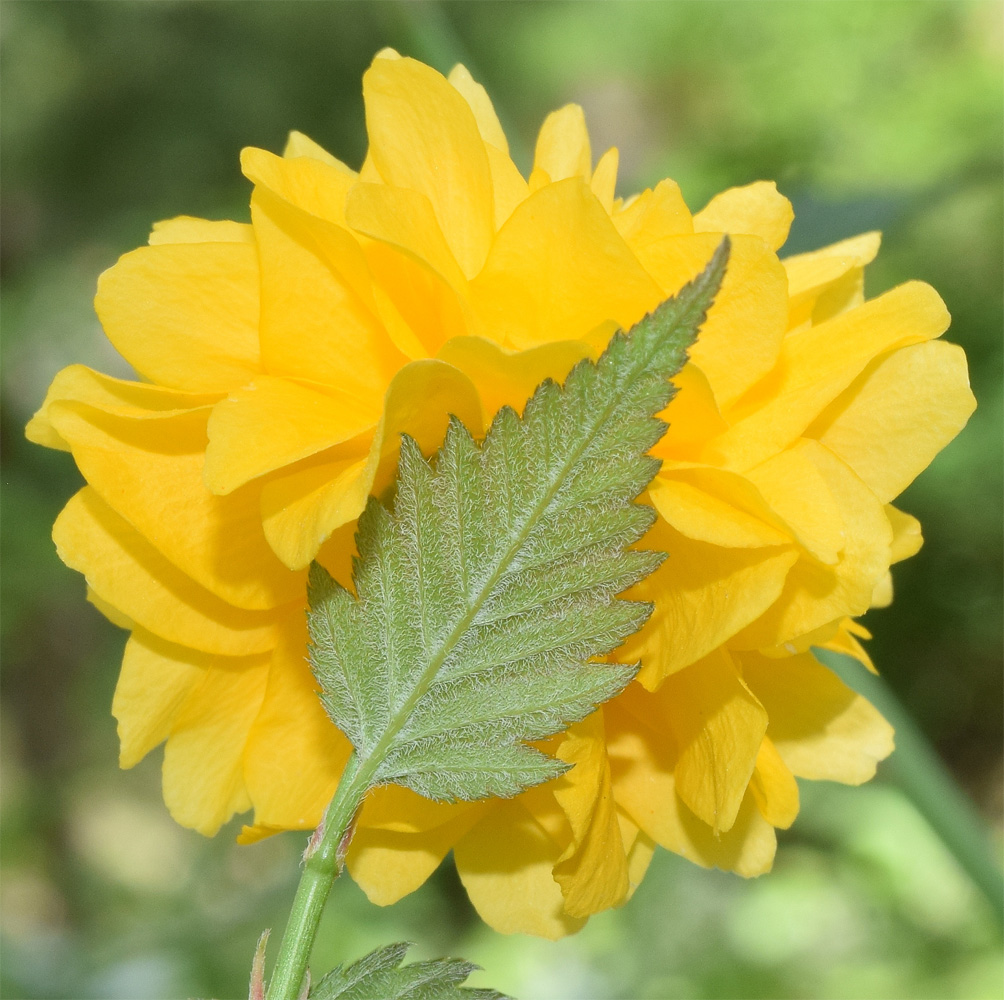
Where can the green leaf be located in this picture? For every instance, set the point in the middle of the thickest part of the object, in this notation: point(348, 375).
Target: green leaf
point(483, 599)
point(380, 976)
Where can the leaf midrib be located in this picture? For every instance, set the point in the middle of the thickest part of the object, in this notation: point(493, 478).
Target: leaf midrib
point(371, 763)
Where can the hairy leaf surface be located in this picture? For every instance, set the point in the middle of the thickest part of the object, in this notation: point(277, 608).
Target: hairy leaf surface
point(484, 598)
point(380, 976)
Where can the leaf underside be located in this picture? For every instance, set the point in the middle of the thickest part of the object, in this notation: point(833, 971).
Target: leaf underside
point(483, 600)
point(380, 976)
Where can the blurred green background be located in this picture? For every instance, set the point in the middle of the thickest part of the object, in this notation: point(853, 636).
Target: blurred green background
point(869, 115)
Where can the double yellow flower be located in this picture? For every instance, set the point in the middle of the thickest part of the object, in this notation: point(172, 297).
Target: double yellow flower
point(282, 359)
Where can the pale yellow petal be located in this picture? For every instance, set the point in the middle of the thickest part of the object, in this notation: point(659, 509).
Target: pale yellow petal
point(313, 185)
point(293, 755)
point(563, 145)
point(693, 417)
point(424, 136)
point(274, 422)
point(703, 595)
point(557, 270)
point(757, 209)
point(796, 491)
point(820, 727)
point(774, 787)
point(901, 411)
point(388, 865)
point(185, 315)
point(481, 104)
point(508, 186)
point(148, 469)
point(817, 280)
point(298, 144)
point(907, 538)
point(188, 229)
point(705, 517)
point(593, 870)
point(127, 572)
point(642, 766)
point(138, 400)
point(155, 679)
point(204, 757)
point(303, 507)
point(400, 810)
point(718, 725)
point(740, 339)
point(604, 180)
point(816, 594)
point(653, 215)
point(404, 219)
point(505, 863)
point(818, 363)
point(318, 317)
point(509, 378)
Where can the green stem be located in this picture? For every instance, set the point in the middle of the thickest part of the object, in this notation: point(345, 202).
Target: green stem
point(323, 861)
point(928, 784)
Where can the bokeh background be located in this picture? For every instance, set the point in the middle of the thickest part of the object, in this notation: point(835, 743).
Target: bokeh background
point(868, 114)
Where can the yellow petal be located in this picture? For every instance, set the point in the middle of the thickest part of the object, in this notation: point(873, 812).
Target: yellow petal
point(774, 787)
point(509, 378)
point(137, 400)
point(642, 767)
point(185, 315)
point(700, 515)
point(693, 417)
point(508, 187)
point(302, 508)
point(128, 573)
point(294, 755)
point(204, 757)
point(388, 865)
point(718, 726)
point(188, 229)
point(316, 186)
point(424, 136)
point(155, 680)
point(653, 215)
point(796, 491)
point(815, 594)
point(899, 413)
point(845, 641)
point(593, 870)
point(907, 538)
point(400, 810)
point(404, 219)
point(558, 269)
point(818, 363)
point(741, 336)
point(820, 727)
point(298, 144)
point(420, 309)
point(149, 471)
point(703, 595)
point(756, 209)
point(563, 145)
point(815, 279)
point(481, 104)
point(505, 863)
point(318, 317)
point(604, 180)
point(273, 422)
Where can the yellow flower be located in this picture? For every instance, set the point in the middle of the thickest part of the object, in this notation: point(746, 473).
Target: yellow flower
point(282, 359)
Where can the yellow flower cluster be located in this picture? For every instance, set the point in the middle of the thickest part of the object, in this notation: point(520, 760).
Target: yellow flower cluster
point(280, 362)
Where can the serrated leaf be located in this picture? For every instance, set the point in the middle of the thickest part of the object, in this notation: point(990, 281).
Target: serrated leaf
point(483, 600)
point(380, 976)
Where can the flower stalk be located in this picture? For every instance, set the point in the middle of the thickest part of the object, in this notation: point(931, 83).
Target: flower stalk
point(322, 863)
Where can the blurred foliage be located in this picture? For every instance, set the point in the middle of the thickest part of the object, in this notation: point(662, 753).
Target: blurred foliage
point(869, 115)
